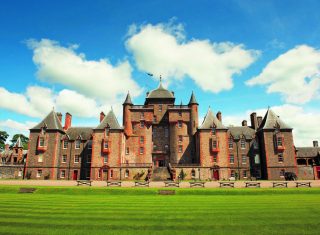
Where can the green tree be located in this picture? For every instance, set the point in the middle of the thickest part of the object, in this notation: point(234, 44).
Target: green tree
point(23, 138)
point(3, 137)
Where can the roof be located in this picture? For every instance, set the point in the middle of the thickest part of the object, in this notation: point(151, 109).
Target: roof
point(18, 143)
point(238, 131)
point(308, 151)
point(271, 121)
point(111, 121)
point(161, 93)
point(128, 99)
point(193, 99)
point(211, 119)
point(51, 122)
point(83, 132)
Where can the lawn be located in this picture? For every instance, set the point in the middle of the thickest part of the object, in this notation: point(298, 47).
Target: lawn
point(85, 210)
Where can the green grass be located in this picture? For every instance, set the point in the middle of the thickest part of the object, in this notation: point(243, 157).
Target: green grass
point(85, 210)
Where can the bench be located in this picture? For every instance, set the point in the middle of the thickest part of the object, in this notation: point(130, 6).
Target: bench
point(280, 184)
point(171, 184)
point(303, 184)
point(141, 183)
point(226, 184)
point(167, 192)
point(84, 182)
point(252, 184)
point(197, 184)
point(27, 190)
point(114, 183)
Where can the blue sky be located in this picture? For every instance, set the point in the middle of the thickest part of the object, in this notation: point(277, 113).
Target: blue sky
point(237, 56)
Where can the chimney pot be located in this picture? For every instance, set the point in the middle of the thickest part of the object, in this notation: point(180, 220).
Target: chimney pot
point(219, 116)
point(259, 119)
point(59, 117)
point(254, 121)
point(244, 123)
point(315, 143)
point(102, 115)
point(67, 122)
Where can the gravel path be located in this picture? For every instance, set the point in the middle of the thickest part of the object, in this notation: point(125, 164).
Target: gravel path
point(212, 184)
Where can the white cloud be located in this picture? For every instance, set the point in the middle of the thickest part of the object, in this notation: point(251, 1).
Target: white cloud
point(77, 104)
point(13, 127)
point(294, 74)
point(95, 79)
point(305, 123)
point(36, 102)
point(162, 49)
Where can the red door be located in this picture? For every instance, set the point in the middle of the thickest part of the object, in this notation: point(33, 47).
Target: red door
point(216, 174)
point(75, 175)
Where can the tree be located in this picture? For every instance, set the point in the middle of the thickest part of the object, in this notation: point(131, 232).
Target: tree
point(3, 137)
point(23, 138)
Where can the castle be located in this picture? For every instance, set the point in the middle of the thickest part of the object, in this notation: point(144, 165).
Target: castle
point(159, 141)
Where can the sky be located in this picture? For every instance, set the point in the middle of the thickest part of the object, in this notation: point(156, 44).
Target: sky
point(238, 57)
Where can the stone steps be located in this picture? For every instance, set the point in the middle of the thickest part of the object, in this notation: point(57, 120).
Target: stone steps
point(160, 174)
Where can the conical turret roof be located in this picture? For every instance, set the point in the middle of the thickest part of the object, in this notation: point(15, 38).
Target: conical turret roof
point(160, 92)
point(18, 144)
point(211, 120)
point(193, 99)
point(109, 120)
point(128, 99)
point(272, 121)
point(51, 122)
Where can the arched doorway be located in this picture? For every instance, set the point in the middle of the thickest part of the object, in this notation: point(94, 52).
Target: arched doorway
point(104, 173)
point(215, 172)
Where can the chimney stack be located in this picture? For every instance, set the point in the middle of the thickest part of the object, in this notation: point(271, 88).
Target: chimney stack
point(59, 117)
point(254, 121)
point(259, 119)
point(244, 123)
point(315, 143)
point(67, 122)
point(219, 116)
point(102, 115)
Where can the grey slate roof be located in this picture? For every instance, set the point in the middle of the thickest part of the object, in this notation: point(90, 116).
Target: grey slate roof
point(209, 120)
point(51, 121)
point(239, 131)
point(83, 132)
point(271, 120)
point(193, 99)
point(128, 99)
point(18, 144)
point(160, 92)
point(111, 120)
point(308, 151)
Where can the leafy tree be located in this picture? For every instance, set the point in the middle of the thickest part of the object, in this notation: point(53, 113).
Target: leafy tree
point(3, 137)
point(23, 138)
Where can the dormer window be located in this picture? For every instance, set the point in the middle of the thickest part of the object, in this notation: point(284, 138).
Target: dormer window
point(213, 130)
point(65, 144)
point(242, 143)
point(107, 131)
point(77, 144)
point(230, 143)
point(142, 124)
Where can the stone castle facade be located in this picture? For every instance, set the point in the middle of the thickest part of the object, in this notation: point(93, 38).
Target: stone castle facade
point(160, 140)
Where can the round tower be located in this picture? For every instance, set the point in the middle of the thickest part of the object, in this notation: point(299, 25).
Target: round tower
point(193, 105)
point(127, 115)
